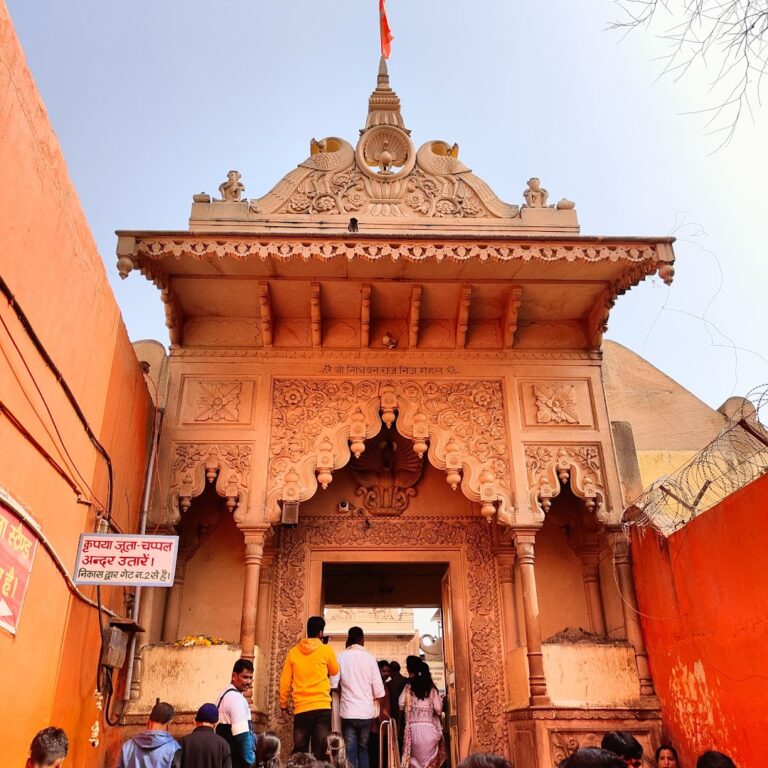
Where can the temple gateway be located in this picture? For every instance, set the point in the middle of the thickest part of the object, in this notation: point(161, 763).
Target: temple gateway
point(385, 391)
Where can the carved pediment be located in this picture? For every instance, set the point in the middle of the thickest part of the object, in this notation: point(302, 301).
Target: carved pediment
point(385, 176)
point(382, 176)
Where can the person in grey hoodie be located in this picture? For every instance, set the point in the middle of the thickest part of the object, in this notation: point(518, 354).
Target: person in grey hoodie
point(153, 748)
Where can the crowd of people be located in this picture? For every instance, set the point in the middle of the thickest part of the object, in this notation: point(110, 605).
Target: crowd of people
point(383, 719)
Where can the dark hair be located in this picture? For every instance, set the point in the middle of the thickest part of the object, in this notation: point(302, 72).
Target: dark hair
point(421, 683)
point(300, 760)
point(268, 750)
point(714, 759)
point(412, 664)
point(593, 757)
point(335, 750)
point(394, 666)
point(668, 747)
point(49, 745)
point(161, 713)
point(315, 625)
point(242, 665)
point(622, 744)
point(355, 636)
point(484, 760)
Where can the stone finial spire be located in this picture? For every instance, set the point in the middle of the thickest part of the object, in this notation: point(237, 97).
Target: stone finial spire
point(384, 103)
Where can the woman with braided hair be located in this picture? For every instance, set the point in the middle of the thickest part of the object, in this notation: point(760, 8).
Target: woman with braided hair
point(423, 745)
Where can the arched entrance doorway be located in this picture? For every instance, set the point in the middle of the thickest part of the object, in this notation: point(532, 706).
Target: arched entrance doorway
point(458, 550)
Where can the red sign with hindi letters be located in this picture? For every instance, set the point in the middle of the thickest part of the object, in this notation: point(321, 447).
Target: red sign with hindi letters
point(18, 545)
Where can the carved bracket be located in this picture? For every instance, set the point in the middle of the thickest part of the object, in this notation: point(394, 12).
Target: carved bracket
point(226, 465)
point(549, 467)
point(318, 424)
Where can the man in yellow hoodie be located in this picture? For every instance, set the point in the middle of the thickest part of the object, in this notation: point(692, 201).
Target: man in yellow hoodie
point(306, 673)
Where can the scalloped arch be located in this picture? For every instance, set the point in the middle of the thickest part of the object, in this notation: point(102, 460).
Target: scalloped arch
point(227, 465)
point(549, 467)
point(314, 423)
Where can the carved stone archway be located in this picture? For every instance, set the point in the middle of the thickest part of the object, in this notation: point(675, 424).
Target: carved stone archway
point(226, 465)
point(318, 424)
point(551, 466)
point(482, 709)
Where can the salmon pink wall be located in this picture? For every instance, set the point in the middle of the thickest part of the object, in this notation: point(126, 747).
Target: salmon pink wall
point(704, 604)
point(49, 260)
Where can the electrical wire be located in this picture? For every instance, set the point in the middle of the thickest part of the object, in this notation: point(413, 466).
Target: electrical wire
point(48, 360)
point(19, 511)
point(38, 344)
point(8, 413)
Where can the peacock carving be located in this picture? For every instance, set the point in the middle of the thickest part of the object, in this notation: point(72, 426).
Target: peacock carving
point(386, 473)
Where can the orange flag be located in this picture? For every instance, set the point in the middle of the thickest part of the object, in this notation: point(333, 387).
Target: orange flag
point(386, 35)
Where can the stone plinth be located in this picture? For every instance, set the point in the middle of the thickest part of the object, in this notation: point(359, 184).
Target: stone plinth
point(185, 677)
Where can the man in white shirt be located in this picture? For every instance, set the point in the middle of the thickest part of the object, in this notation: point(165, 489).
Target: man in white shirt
point(361, 688)
point(235, 723)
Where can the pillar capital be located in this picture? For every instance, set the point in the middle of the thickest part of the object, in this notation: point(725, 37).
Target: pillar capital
point(620, 546)
point(506, 561)
point(524, 540)
point(255, 538)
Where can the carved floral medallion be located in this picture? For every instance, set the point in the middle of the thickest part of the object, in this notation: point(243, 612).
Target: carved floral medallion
point(555, 403)
point(218, 401)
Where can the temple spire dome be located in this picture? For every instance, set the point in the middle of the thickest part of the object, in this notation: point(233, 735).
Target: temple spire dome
point(384, 103)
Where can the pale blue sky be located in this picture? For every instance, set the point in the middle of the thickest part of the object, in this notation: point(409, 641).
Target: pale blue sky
point(154, 101)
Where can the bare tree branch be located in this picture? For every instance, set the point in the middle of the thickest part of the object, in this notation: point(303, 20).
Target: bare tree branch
point(730, 36)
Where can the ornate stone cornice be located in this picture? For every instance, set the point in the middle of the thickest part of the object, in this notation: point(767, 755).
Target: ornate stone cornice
point(243, 249)
point(379, 358)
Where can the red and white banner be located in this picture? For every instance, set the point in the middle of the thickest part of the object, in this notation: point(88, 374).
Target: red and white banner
point(18, 545)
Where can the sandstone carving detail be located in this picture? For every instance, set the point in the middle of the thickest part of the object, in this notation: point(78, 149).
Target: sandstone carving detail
point(318, 424)
point(555, 403)
point(473, 535)
point(218, 401)
point(226, 465)
point(550, 467)
point(386, 474)
point(245, 249)
point(565, 743)
point(384, 176)
point(232, 189)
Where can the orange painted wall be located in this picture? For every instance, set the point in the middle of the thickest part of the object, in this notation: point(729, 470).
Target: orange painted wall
point(704, 601)
point(50, 262)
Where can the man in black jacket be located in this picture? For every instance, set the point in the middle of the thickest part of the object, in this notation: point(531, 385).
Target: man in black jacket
point(204, 748)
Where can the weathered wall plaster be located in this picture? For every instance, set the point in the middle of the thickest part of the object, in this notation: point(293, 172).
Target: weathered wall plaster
point(704, 611)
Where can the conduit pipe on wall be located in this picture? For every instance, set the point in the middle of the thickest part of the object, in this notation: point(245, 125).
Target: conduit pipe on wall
point(142, 531)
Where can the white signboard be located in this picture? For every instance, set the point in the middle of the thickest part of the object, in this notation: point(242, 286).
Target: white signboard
point(126, 560)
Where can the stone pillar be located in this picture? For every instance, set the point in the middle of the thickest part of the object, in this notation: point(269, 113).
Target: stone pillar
point(506, 563)
point(590, 571)
point(263, 613)
point(254, 551)
point(622, 561)
point(173, 604)
point(524, 545)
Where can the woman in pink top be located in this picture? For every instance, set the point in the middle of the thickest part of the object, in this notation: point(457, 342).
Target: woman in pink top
point(420, 700)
